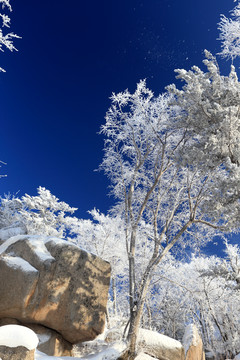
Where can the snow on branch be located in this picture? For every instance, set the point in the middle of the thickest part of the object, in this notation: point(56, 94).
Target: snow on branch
point(6, 39)
point(230, 34)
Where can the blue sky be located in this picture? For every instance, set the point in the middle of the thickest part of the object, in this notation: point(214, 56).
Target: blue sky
point(71, 57)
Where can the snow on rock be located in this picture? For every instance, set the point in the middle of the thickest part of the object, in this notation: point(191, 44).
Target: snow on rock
point(143, 356)
point(18, 263)
point(17, 335)
point(160, 346)
point(154, 338)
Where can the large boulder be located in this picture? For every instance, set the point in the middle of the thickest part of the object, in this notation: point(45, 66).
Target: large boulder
point(160, 346)
point(193, 344)
point(48, 281)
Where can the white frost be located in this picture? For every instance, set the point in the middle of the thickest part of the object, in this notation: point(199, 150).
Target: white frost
point(17, 335)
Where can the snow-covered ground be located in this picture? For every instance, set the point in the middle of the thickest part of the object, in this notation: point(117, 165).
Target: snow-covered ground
point(41, 356)
point(16, 335)
point(110, 353)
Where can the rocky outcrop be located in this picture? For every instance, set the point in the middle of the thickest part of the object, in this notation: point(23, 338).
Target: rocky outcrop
point(47, 281)
point(193, 344)
point(160, 346)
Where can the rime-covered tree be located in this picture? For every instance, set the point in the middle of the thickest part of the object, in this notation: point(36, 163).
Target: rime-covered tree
point(203, 291)
point(41, 214)
point(150, 158)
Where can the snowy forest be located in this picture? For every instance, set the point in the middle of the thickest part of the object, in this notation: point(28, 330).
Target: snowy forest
point(173, 162)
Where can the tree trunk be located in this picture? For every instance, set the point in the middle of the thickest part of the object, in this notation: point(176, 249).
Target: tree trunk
point(136, 316)
point(114, 296)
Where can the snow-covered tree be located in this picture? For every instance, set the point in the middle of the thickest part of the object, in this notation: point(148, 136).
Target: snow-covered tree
point(41, 214)
point(203, 291)
point(230, 34)
point(157, 178)
point(210, 106)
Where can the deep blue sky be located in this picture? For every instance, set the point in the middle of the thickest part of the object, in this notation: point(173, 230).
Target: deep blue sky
point(72, 55)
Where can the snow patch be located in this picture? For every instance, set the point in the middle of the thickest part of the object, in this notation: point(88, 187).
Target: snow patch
point(43, 338)
point(41, 356)
point(17, 335)
point(58, 241)
point(111, 353)
point(152, 338)
point(18, 263)
point(143, 356)
point(38, 245)
point(36, 242)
